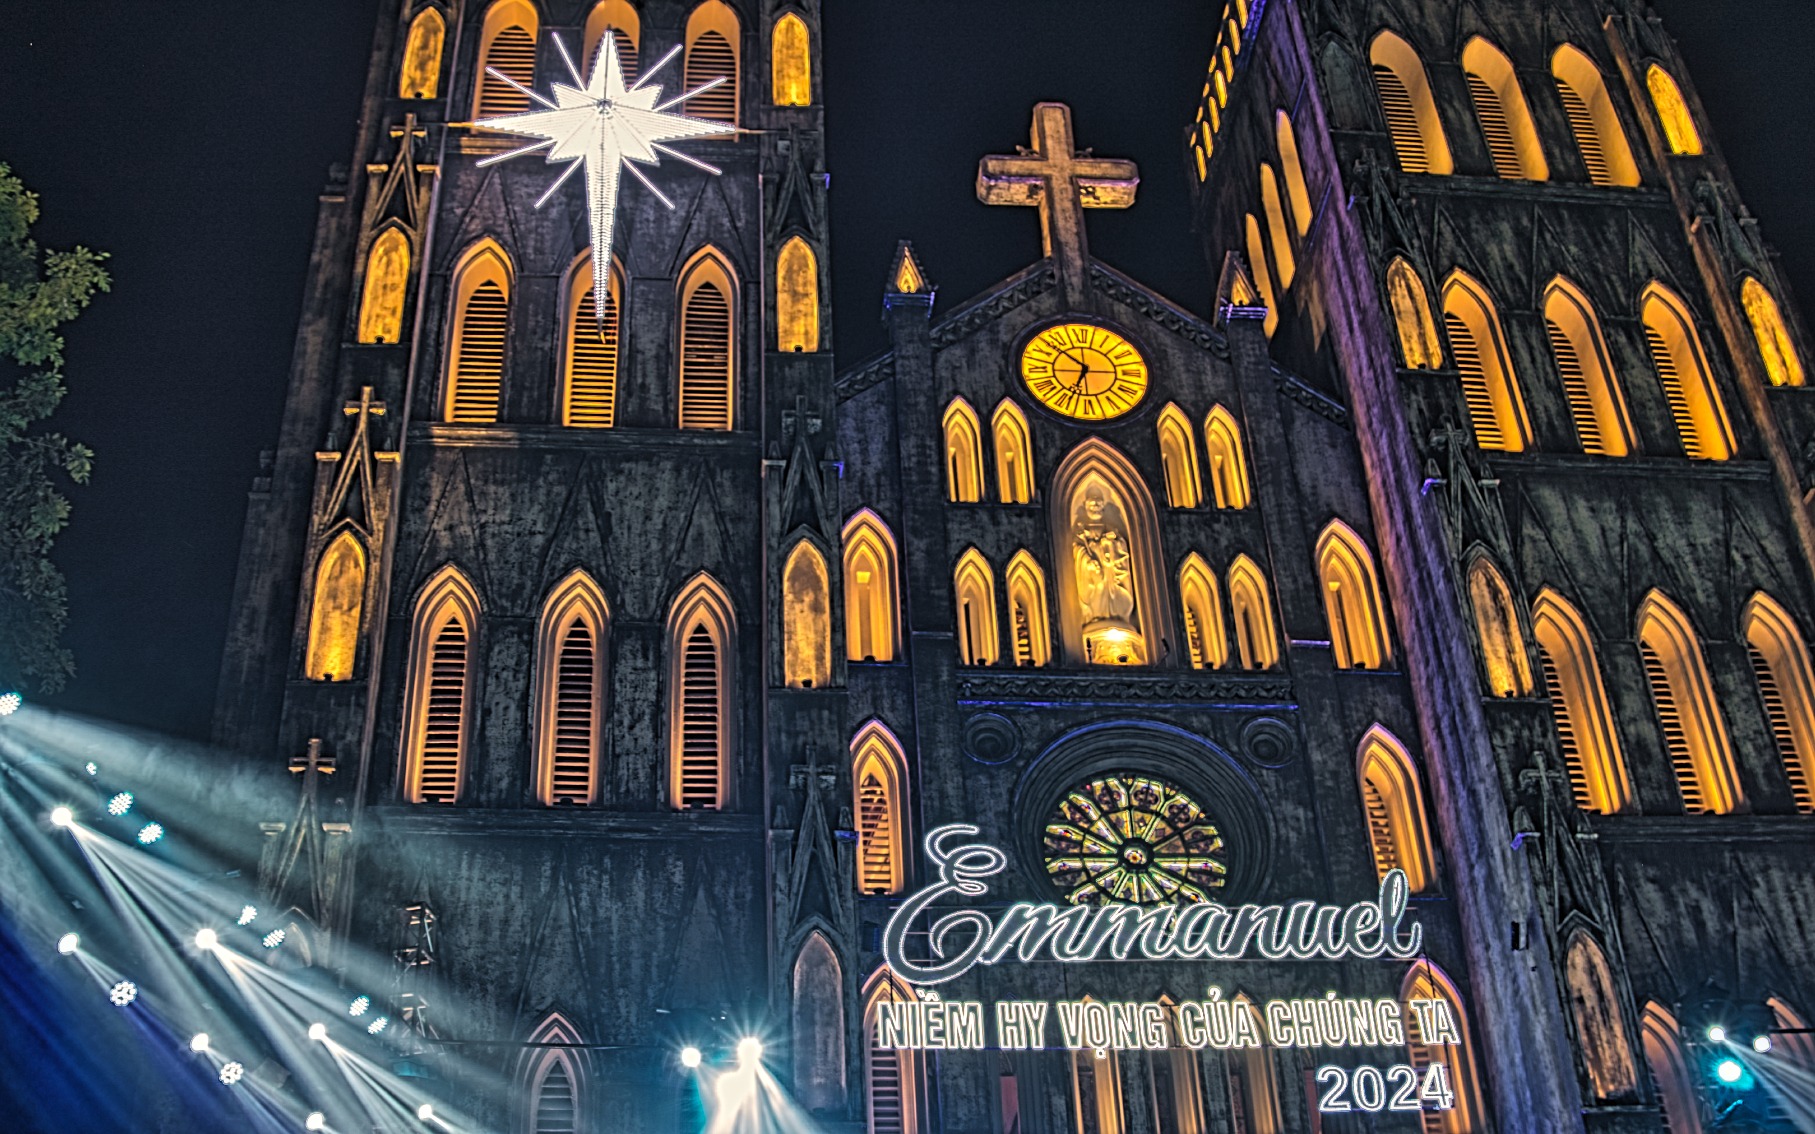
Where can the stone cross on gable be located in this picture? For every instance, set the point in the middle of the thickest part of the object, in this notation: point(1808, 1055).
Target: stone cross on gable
point(1053, 175)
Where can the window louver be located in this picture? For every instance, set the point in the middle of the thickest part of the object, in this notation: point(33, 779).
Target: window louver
point(885, 1090)
point(1401, 120)
point(1575, 389)
point(1380, 828)
point(710, 57)
point(575, 717)
point(1475, 393)
point(513, 52)
point(700, 713)
point(592, 362)
point(478, 377)
point(1194, 637)
point(706, 360)
point(1567, 740)
point(1674, 393)
point(438, 775)
point(555, 1110)
point(875, 828)
point(1676, 738)
point(1495, 127)
point(1779, 715)
point(1024, 637)
point(1588, 139)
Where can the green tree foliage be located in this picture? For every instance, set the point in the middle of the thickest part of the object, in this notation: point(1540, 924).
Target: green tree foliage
point(39, 292)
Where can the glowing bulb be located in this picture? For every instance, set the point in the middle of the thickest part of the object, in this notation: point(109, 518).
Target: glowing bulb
point(123, 993)
point(359, 1005)
point(150, 833)
point(274, 938)
point(318, 1032)
point(120, 804)
point(1729, 1070)
point(425, 1112)
point(206, 939)
point(376, 1026)
point(232, 1073)
point(315, 1121)
point(690, 1056)
point(61, 816)
point(1717, 1034)
point(247, 913)
point(10, 702)
point(68, 943)
point(198, 1042)
point(1761, 1044)
point(749, 1050)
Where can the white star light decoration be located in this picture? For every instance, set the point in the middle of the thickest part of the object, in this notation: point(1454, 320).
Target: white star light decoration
point(603, 125)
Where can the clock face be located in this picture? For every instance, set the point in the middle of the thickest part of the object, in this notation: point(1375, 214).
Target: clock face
point(1084, 371)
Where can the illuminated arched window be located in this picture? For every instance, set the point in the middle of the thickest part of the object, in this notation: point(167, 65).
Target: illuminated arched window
point(1578, 702)
point(1659, 1034)
point(556, 1077)
point(1263, 281)
point(1253, 1085)
point(1393, 805)
point(420, 76)
point(790, 62)
point(1014, 454)
point(1202, 609)
point(974, 594)
point(481, 326)
point(713, 46)
point(507, 44)
point(963, 453)
point(1178, 457)
point(1503, 654)
point(1251, 608)
point(879, 777)
point(817, 1015)
point(1780, 661)
point(1694, 736)
point(1030, 635)
point(1489, 387)
point(1109, 579)
point(1351, 599)
point(1446, 1042)
point(708, 343)
point(1512, 139)
point(1418, 343)
point(335, 610)
point(1292, 165)
point(440, 688)
point(870, 589)
point(1176, 1089)
point(1592, 118)
point(1613, 1073)
point(891, 1075)
point(701, 634)
point(592, 349)
point(572, 644)
point(1409, 109)
point(1682, 369)
point(1672, 112)
point(387, 281)
point(626, 27)
point(1783, 367)
point(1595, 401)
point(806, 619)
point(1278, 231)
point(1228, 459)
point(1096, 1092)
point(796, 297)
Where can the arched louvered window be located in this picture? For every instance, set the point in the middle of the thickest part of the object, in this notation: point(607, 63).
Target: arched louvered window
point(1096, 1092)
point(1352, 605)
point(1798, 1043)
point(1783, 367)
point(1659, 1034)
point(1490, 389)
point(790, 62)
point(335, 610)
point(507, 44)
point(708, 343)
point(1202, 610)
point(593, 350)
point(555, 1112)
point(1512, 139)
point(1178, 458)
point(1672, 112)
point(1694, 735)
point(1278, 230)
point(1030, 635)
point(1251, 608)
point(1014, 454)
point(1393, 804)
point(806, 619)
point(713, 43)
point(1593, 394)
point(1263, 280)
point(1446, 1042)
point(1406, 102)
point(1503, 654)
point(817, 1016)
point(626, 28)
point(1592, 119)
point(702, 634)
point(1682, 370)
point(386, 284)
point(963, 453)
point(1253, 1086)
point(974, 593)
point(796, 297)
point(1579, 708)
point(879, 777)
point(1228, 459)
point(420, 76)
point(870, 589)
point(572, 644)
point(1418, 343)
point(481, 325)
point(1613, 1073)
point(440, 688)
point(891, 1075)
point(1292, 165)
point(555, 1078)
point(1786, 685)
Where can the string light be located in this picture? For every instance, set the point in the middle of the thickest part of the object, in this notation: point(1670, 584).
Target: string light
point(359, 1005)
point(376, 1026)
point(232, 1073)
point(123, 993)
point(120, 804)
point(274, 938)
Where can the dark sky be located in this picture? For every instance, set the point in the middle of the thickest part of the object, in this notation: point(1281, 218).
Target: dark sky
point(189, 138)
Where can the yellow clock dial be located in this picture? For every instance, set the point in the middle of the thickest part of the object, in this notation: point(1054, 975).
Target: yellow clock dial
point(1084, 371)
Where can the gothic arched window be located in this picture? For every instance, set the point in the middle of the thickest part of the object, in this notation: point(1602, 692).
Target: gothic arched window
point(420, 76)
point(1393, 804)
point(818, 1028)
point(1688, 716)
point(796, 297)
point(592, 352)
point(1613, 1074)
point(708, 343)
point(1109, 582)
point(963, 453)
point(507, 44)
point(870, 589)
point(1251, 609)
point(713, 46)
point(1669, 1072)
point(1278, 231)
point(440, 688)
point(1490, 389)
point(1014, 454)
point(1780, 661)
point(572, 644)
point(481, 326)
point(1783, 367)
point(1202, 609)
point(1228, 459)
point(1406, 102)
point(1253, 1086)
point(1352, 605)
point(1672, 112)
point(891, 1075)
point(1178, 458)
point(335, 610)
point(1263, 281)
point(626, 28)
point(1592, 118)
point(1798, 1042)
point(1512, 140)
point(1096, 1091)
point(1418, 343)
point(385, 287)
point(974, 592)
point(1448, 1043)
point(790, 62)
point(1682, 370)
point(1578, 703)
point(1297, 192)
point(1595, 401)
point(879, 779)
point(806, 619)
point(1029, 632)
point(555, 1078)
point(1503, 653)
point(702, 632)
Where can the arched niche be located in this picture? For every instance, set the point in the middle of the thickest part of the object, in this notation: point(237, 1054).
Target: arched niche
point(1111, 587)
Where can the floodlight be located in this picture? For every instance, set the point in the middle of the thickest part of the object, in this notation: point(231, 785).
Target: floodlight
point(425, 1112)
point(123, 993)
point(318, 1032)
point(68, 943)
point(206, 938)
point(1729, 1070)
point(246, 914)
point(315, 1121)
point(273, 939)
point(61, 816)
point(232, 1073)
point(749, 1051)
point(120, 804)
point(198, 1042)
point(1761, 1044)
point(151, 833)
point(10, 702)
point(376, 1026)
point(690, 1056)
point(1717, 1034)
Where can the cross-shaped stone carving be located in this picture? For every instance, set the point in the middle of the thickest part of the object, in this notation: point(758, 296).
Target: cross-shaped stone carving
point(1053, 175)
point(311, 765)
point(791, 419)
point(365, 405)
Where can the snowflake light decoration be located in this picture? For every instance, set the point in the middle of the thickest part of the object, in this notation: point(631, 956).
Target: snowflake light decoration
point(232, 1073)
point(605, 126)
point(123, 993)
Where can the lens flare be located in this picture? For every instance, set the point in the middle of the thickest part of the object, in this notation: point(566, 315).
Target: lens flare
point(749, 1051)
point(68, 943)
point(123, 993)
point(690, 1056)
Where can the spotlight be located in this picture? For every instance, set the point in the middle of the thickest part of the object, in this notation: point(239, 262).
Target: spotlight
point(376, 1026)
point(120, 804)
point(1729, 1070)
point(246, 914)
point(425, 1112)
point(273, 939)
point(206, 939)
point(198, 1042)
point(735, 1087)
point(150, 833)
point(749, 1051)
point(10, 702)
point(232, 1073)
point(90, 768)
point(359, 1005)
point(318, 1032)
point(68, 943)
point(315, 1121)
point(1761, 1044)
point(690, 1056)
point(123, 993)
point(61, 817)
point(1717, 1034)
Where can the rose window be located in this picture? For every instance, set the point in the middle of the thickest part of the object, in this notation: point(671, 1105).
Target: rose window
point(1134, 839)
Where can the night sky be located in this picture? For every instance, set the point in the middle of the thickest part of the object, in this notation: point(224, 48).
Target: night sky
point(189, 138)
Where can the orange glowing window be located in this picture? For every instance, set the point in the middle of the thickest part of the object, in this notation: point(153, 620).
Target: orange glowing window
point(701, 634)
point(1489, 387)
point(1512, 139)
point(870, 589)
point(421, 73)
point(708, 343)
point(571, 651)
point(1672, 112)
point(440, 688)
point(806, 619)
point(1393, 805)
point(1297, 192)
point(1251, 608)
point(1660, 1037)
point(1445, 1041)
point(1682, 370)
point(1688, 716)
point(790, 62)
point(1030, 633)
point(1411, 308)
point(507, 44)
point(335, 610)
point(963, 453)
point(796, 297)
point(1228, 459)
point(1352, 605)
point(592, 350)
point(1178, 459)
point(1786, 686)
point(1782, 365)
point(476, 352)
point(1589, 386)
point(1592, 118)
point(1579, 708)
point(1503, 653)
point(1613, 1073)
point(713, 42)
point(891, 1075)
point(1014, 454)
point(879, 778)
point(626, 28)
point(1202, 610)
point(974, 593)
point(1278, 231)
point(1263, 282)
point(1406, 103)
point(387, 282)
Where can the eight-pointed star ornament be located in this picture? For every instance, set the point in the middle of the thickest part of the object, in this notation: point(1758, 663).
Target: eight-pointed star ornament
point(601, 124)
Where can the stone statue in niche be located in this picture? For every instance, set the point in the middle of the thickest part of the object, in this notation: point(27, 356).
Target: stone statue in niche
point(1103, 574)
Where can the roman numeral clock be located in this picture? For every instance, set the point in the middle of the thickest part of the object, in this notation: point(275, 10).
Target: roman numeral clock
point(1084, 371)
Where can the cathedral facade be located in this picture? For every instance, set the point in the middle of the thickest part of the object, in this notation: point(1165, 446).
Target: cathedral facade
point(1376, 698)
